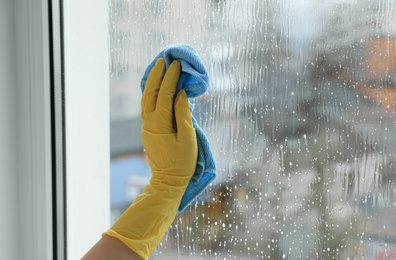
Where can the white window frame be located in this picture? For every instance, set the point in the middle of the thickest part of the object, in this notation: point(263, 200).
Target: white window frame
point(86, 131)
point(86, 61)
point(33, 127)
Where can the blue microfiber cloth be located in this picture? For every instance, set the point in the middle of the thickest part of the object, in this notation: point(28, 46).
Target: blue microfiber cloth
point(194, 79)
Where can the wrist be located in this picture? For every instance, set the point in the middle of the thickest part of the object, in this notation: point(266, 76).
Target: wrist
point(170, 181)
point(144, 223)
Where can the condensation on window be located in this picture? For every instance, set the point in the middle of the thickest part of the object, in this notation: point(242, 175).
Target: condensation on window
point(300, 114)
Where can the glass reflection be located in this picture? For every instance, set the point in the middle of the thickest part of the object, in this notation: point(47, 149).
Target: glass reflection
point(300, 115)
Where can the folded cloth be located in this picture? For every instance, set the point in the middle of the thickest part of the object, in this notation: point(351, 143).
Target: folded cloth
point(194, 79)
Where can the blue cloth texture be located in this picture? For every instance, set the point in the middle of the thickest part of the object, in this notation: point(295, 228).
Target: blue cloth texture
point(194, 79)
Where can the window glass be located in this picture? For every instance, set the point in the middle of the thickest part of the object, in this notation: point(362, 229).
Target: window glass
point(300, 115)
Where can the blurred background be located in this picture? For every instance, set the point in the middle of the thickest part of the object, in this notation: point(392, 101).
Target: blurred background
point(300, 114)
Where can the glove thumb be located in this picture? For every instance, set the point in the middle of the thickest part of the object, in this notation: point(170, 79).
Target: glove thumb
point(183, 114)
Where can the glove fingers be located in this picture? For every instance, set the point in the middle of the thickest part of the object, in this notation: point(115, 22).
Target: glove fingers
point(182, 114)
point(168, 87)
point(151, 89)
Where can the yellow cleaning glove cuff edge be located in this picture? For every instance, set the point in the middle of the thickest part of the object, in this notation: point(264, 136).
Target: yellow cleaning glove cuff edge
point(141, 250)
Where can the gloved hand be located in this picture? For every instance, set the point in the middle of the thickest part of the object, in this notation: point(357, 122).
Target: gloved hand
point(172, 157)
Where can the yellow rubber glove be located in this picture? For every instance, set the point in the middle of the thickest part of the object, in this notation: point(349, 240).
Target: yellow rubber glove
point(172, 157)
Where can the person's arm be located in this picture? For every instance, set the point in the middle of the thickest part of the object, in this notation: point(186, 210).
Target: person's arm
point(110, 248)
point(172, 157)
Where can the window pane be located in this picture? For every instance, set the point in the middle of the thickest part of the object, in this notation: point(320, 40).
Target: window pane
point(300, 116)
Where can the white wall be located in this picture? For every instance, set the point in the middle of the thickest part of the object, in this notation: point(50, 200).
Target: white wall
point(8, 141)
